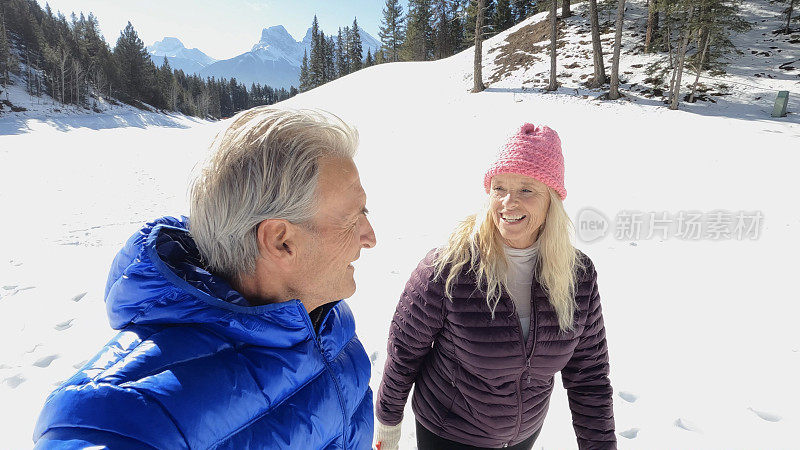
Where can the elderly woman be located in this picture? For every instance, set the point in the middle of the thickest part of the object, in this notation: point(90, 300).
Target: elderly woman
point(486, 321)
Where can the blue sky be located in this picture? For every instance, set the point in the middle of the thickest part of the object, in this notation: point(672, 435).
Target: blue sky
point(223, 29)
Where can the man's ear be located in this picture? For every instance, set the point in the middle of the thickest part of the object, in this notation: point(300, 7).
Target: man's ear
point(276, 241)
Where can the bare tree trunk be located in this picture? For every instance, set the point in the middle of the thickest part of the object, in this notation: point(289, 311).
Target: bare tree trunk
point(553, 37)
point(668, 39)
point(676, 89)
point(789, 15)
point(597, 48)
point(477, 72)
point(651, 13)
point(76, 68)
point(565, 11)
point(63, 67)
point(699, 69)
point(28, 69)
point(613, 93)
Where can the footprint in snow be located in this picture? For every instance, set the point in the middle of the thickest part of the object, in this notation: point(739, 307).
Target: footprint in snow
point(373, 357)
point(686, 425)
point(79, 297)
point(10, 287)
point(628, 396)
point(45, 361)
point(78, 365)
point(768, 416)
point(14, 381)
point(64, 325)
point(630, 434)
point(34, 348)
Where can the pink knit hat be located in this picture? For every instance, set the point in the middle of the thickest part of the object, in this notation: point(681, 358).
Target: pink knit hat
point(534, 151)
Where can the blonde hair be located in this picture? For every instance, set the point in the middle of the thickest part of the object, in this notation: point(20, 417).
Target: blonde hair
point(265, 165)
point(475, 246)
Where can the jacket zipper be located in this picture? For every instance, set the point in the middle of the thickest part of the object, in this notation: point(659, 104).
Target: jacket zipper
point(330, 372)
point(528, 357)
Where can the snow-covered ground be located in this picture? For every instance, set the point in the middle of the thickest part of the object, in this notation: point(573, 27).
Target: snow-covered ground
point(702, 333)
point(45, 113)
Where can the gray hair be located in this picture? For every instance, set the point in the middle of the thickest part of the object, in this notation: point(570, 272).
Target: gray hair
point(265, 165)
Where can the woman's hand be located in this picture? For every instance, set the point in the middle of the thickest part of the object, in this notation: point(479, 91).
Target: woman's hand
point(387, 437)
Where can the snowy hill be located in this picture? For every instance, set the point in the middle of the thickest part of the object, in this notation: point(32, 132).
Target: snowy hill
point(702, 334)
point(29, 113)
point(179, 57)
point(762, 64)
point(274, 60)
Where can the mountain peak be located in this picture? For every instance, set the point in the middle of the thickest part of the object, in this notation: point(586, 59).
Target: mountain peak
point(180, 57)
point(168, 44)
point(275, 33)
point(275, 44)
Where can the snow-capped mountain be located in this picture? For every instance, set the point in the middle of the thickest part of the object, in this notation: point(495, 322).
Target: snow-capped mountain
point(274, 60)
point(276, 43)
point(179, 57)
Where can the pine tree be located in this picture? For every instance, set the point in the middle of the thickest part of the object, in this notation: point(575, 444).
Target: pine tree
point(304, 76)
point(788, 11)
point(652, 24)
point(132, 59)
point(716, 20)
point(347, 38)
point(553, 85)
point(418, 43)
point(330, 59)
point(503, 19)
point(457, 26)
point(369, 61)
point(392, 31)
point(165, 84)
point(678, 71)
point(489, 29)
point(317, 61)
point(597, 49)
point(613, 93)
point(695, 34)
point(443, 47)
point(5, 53)
point(356, 50)
point(341, 60)
point(521, 9)
point(477, 71)
point(471, 14)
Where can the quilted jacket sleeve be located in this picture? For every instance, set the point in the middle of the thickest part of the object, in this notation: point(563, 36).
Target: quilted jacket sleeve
point(82, 438)
point(415, 325)
point(586, 379)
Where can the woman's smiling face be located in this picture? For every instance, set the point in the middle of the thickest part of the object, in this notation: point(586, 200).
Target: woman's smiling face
point(519, 205)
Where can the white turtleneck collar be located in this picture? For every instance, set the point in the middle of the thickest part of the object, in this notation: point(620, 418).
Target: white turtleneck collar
point(521, 263)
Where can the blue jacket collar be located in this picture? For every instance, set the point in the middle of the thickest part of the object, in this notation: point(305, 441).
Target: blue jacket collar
point(157, 278)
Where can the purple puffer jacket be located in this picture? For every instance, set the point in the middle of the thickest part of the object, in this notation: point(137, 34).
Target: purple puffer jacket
point(476, 381)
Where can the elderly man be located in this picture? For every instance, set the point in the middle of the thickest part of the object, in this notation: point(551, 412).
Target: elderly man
point(232, 335)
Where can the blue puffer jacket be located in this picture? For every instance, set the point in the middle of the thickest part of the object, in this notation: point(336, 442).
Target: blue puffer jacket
point(193, 367)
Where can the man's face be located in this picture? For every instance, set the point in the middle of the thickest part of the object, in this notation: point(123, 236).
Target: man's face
point(338, 232)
